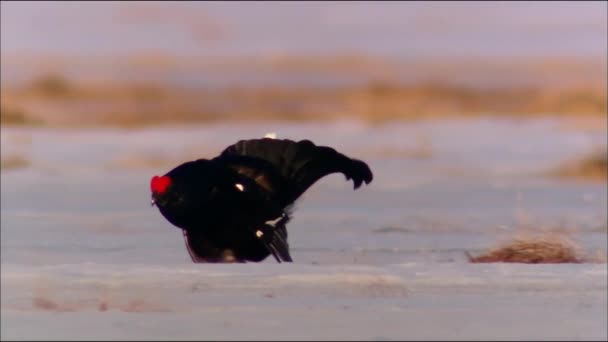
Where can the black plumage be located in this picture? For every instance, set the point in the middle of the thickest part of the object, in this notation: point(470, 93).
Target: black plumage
point(235, 207)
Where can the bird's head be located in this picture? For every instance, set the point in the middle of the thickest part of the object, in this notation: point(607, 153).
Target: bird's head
point(190, 193)
point(168, 196)
point(159, 187)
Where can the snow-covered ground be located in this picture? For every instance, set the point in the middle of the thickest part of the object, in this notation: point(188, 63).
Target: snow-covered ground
point(84, 256)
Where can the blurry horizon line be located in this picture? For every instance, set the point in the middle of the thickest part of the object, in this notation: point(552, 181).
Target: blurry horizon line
point(164, 56)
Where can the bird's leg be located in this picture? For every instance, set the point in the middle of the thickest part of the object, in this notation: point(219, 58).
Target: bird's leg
point(273, 237)
point(268, 246)
point(276, 225)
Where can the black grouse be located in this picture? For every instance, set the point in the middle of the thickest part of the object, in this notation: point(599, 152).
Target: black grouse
point(235, 207)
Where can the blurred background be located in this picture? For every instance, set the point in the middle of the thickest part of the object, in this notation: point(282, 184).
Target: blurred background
point(481, 121)
point(143, 63)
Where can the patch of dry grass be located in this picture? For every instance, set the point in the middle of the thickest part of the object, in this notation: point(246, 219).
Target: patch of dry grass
point(15, 117)
point(593, 167)
point(548, 248)
point(13, 162)
point(51, 85)
point(56, 101)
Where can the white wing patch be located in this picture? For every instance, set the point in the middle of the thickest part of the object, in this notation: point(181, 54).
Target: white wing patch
point(271, 135)
point(239, 186)
point(259, 233)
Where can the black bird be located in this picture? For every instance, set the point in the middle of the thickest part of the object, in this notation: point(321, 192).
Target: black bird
point(235, 207)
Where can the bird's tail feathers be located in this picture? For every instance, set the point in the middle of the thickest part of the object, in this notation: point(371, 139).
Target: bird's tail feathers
point(302, 163)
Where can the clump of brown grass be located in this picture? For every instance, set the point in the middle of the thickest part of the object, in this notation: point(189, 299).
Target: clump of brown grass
point(593, 167)
point(51, 85)
point(534, 249)
point(15, 116)
point(13, 162)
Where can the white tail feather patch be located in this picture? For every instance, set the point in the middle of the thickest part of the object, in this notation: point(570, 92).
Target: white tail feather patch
point(271, 135)
point(274, 222)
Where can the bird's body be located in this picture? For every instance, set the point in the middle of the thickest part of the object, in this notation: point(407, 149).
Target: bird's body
point(234, 207)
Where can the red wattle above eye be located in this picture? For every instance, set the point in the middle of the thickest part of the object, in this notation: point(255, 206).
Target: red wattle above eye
point(160, 184)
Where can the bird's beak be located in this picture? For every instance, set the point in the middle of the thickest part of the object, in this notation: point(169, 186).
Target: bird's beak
point(152, 202)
